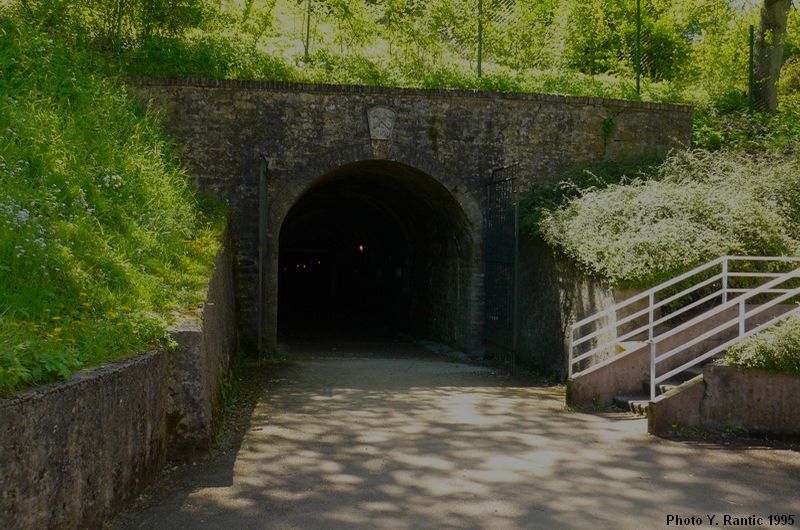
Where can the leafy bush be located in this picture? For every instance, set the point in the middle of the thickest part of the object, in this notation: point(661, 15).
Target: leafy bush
point(717, 128)
point(694, 207)
point(776, 349)
point(100, 236)
point(209, 56)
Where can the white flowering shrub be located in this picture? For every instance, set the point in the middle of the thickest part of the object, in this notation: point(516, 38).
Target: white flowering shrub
point(776, 349)
point(696, 206)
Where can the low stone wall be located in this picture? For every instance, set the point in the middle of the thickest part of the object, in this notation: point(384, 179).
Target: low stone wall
point(746, 399)
point(207, 342)
point(73, 453)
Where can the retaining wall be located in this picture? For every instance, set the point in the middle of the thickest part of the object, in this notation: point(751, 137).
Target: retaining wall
point(728, 397)
point(553, 294)
point(73, 453)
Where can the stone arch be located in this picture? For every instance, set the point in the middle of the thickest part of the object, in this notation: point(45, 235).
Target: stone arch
point(304, 174)
point(419, 269)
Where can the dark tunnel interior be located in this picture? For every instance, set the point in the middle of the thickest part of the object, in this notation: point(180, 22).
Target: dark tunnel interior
point(372, 249)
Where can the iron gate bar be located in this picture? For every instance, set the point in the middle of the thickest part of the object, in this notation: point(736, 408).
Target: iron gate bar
point(263, 174)
point(501, 264)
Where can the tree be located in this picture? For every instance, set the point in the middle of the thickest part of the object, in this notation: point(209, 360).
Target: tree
point(768, 58)
point(601, 36)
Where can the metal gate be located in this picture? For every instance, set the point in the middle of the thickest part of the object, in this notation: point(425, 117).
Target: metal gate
point(501, 246)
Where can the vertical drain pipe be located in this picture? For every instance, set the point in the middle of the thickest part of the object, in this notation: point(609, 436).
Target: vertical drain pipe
point(262, 246)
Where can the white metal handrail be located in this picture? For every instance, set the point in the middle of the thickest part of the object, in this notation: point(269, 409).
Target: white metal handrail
point(740, 320)
point(610, 345)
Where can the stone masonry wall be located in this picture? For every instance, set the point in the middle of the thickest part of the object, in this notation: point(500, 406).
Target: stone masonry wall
point(207, 341)
point(553, 295)
point(73, 453)
point(456, 137)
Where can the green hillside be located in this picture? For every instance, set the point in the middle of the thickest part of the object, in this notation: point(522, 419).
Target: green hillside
point(100, 236)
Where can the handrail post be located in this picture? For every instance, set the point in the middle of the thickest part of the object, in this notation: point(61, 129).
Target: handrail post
point(725, 280)
point(613, 323)
point(742, 326)
point(651, 340)
point(570, 340)
point(652, 370)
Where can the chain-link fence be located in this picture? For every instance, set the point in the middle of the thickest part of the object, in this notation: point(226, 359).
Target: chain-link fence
point(633, 39)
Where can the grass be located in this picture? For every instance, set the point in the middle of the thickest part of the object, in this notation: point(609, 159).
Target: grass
point(100, 235)
point(216, 56)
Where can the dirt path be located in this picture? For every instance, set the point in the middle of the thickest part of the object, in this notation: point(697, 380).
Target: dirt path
point(403, 439)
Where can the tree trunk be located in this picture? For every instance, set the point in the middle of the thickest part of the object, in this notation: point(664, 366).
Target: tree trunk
point(769, 54)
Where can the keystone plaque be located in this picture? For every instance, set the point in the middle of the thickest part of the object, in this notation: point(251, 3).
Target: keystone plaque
point(381, 122)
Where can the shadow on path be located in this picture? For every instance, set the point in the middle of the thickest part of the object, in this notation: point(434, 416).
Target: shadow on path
point(401, 439)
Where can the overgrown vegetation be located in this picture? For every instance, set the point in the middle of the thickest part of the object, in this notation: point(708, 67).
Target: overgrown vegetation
point(696, 206)
point(734, 191)
point(100, 237)
point(692, 50)
point(776, 349)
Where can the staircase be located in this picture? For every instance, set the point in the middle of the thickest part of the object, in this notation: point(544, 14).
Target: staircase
point(651, 343)
point(638, 403)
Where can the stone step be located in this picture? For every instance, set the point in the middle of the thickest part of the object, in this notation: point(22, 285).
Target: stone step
point(678, 379)
point(636, 403)
point(666, 386)
point(639, 403)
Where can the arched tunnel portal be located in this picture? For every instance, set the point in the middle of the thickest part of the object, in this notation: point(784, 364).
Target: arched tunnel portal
point(376, 248)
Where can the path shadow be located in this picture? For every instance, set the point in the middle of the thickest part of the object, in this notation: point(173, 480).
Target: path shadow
point(343, 441)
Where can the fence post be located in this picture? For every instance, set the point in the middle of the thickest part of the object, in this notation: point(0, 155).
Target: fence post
point(308, 30)
point(638, 47)
point(480, 35)
point(750, 80)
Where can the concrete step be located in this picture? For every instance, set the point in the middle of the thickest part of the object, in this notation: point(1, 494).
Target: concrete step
point(690, 373)
point(636, 403)
point(669, 384)
point(666, 386)
point(639, 403)
point(629, 345)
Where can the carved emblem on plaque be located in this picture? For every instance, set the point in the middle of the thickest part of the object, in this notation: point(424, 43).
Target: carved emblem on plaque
point(381, 122)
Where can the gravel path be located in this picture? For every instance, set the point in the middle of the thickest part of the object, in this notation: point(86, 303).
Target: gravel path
point(390, 436)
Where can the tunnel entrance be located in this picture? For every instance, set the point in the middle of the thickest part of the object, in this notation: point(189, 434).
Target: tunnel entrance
point(373, 249)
